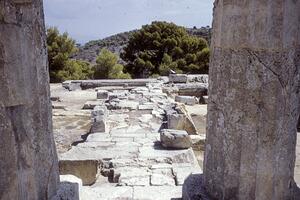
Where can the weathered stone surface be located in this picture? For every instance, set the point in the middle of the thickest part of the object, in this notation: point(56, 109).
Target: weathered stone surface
point(71, 85)
point(205, 99)
point(99, 111)
point(99, 116)
point(178, 78)
point(86, 170)
point(58, 105)
point(102, 94)
point(200, 78)
point(55, 98)
point(28, 160)
point(104, 153)
point(87, 84)
point(157, 193)
point(145, 118)
point(161, 179)
point(92, 104)
point(297, 163)
point(69, 189)
point(176, 139)
point(198, 142)
point(193, 188)
point(192, 89)
point(176, 156)
point(182, 171)
point(124, 104)
point(107, 193)
point(189, 100)
point(181, 122)
point(118, 95)
point(146, 107)
point(162, 176)
point(131, 176)
point(253, 100)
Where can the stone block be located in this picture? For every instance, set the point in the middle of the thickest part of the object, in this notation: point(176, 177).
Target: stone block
point(118, 95)
point(200, 78)
point(205, 99)
point(181, 122)
point(87, 84)
point(157, 193)
point(178, 78)
point(99, 124)
point(161, 179)
point(86, 170)
point(152, 152)
point(193, 188)
point(146, 107)
point(162, 176)
point(188, 100)
point(107, 193)
point(183, 171)
point(82, 154)
point(192, 89)
point(146, 118)
point(89, 105)
point(124, 104)
point(198, 142)
point(175, 139)
point(102, 94)
point(99, 137)
point(131, 176)
point(69, 189)
point(99, 111)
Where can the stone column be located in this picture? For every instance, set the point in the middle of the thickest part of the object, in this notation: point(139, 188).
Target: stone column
point(28, 159)
point(253, 100)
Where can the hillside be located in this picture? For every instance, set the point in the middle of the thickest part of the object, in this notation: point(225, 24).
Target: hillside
point(116, 43)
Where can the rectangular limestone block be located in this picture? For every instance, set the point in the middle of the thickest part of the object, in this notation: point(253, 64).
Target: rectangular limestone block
point(86, 170)
point(178, 78)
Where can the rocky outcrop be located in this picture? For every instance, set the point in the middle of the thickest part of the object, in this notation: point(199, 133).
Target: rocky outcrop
point(28, 160)
point(253, 100)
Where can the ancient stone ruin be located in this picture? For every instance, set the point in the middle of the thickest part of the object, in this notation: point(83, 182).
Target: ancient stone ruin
point(140, 142)
point(145, 138)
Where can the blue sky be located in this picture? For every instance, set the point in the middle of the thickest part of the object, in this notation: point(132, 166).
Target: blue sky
point(87, 20)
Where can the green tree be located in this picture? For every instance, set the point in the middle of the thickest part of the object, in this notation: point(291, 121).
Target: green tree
point(107, 66)
point(61, 68)
point(75, 70)
point(161, 46)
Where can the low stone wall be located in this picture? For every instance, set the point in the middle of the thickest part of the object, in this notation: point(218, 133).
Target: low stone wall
point(88, 84)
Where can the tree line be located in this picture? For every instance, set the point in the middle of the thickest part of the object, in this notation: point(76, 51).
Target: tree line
point(154, 50)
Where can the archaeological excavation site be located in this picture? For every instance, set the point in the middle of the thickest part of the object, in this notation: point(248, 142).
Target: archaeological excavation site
point(230, 134)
